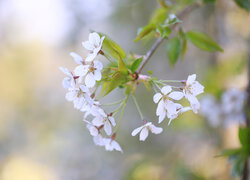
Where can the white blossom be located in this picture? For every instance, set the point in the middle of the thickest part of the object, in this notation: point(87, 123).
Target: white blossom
point(91, 73)
point(233, 100)
point(111, 144)
point(191, 90)
point(211, 109)
point(106, 121)
point(99, 140)
point(92, 128)
point(145, 129)
point(68, 82)
point(166, 107)
point(94, 45)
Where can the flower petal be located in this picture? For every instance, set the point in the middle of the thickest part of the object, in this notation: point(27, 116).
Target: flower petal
point(107, 127)
point(70, 96)
point(81, 70)
point(166, 89)
point(155, 130)
point(112, 120)
point(78, 59)
point(94, 38)
point(157, 97)
point(65, 71)
point(137, 130)
point(176, 95)
point(90, 80)
point(143, 134)
point(116, 146)
point(98, 65)
point(191, 79)
point(97, 75)
point(97, 121)
point(90, 57)
point(89, 46)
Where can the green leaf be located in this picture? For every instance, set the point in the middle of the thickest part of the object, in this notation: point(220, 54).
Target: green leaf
point(163, 3)
point(143, 31)
point(117, 79)
point(136, 64)
point(244, 136)
point(159, 16)
point(209, 1)
point(203, 41)
point(173, 50)
point(245, 4)
point(163, 31)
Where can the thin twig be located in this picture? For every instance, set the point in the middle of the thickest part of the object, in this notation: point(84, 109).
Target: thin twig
point(149, 54)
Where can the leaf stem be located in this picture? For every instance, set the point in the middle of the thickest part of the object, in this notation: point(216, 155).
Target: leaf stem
point(138, 107)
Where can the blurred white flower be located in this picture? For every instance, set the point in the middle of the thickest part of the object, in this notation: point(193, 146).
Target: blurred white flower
point(91, 73)
point(191, 90)
point(68, 82)
point(145, 129)
point(233, 100)
point(94, 45)
point(211, 109)
point(165, 105)
point(98, 140)
point(111, 144)
point(106, 121)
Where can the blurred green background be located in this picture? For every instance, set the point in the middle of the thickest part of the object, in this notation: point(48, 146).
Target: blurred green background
point(42, 137)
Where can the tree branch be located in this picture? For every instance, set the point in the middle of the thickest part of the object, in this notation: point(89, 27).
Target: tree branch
point(181, 15)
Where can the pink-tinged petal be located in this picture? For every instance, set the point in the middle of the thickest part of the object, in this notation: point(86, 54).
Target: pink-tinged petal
point(97, 121)
point(97, 75)
point(90, 57)
point(137, 130)
point(112, 120)
point(66, 71)
point(155, 130)
point(157, 97)
point(77, 58)
point(70, 96)
point(98, 65)
point(176, 95)
point(191, 79)
point(90, 80)
point(166, 89)
point(81, 70)
point(107, 127)
point(116, 146)
point(143, 134)
point(94, 38)
point(87, 45)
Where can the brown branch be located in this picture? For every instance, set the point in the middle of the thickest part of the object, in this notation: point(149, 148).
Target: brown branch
point(181, 15)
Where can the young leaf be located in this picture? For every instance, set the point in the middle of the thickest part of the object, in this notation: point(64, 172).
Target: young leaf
point(203, 41)
point(244, 136)
point(109, 85)
point(136, 64)
point(245, 4)
point(112, 49)
point(143, 31)
point(173, 50)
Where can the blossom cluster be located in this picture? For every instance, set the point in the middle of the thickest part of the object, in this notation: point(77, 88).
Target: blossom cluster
point(230, 109)
point(82, 82)
point(81, 87)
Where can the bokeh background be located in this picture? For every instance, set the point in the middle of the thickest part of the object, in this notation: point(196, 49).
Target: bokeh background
point(42, 137)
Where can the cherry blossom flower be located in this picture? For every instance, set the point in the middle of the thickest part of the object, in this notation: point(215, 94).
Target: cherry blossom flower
point(105, 120)
point(99, 140)
point(91, 73)
point(144, 129)
point(111, 144)
point(191, 90)
point(94, 131)
point(68, 82)
point(94, 45)
point(165, 105)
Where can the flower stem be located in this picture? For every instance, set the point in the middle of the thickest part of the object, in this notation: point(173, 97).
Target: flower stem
point(114, 103)
point(138, 107)
point(122, 111)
